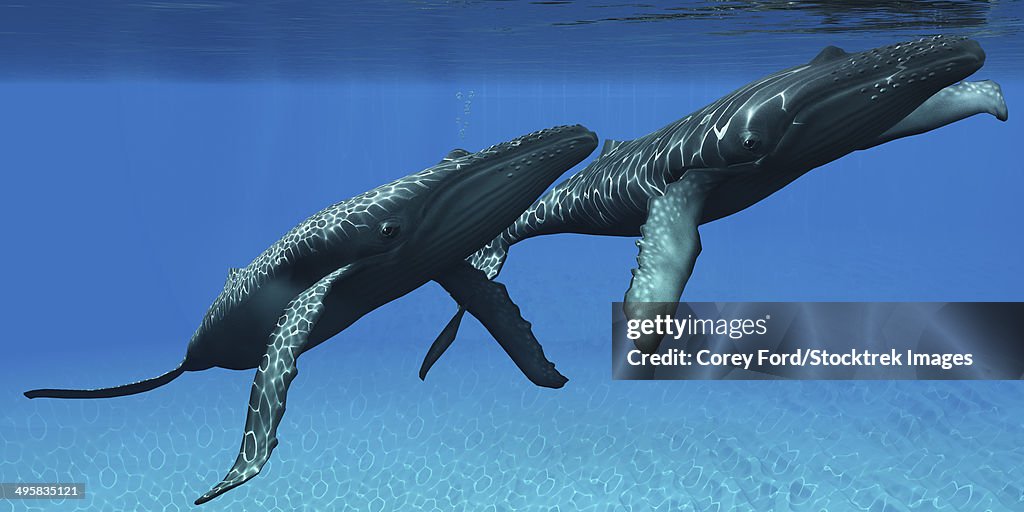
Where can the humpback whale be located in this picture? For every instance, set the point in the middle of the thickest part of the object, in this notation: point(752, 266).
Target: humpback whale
point(740, 149)
point(357, 255)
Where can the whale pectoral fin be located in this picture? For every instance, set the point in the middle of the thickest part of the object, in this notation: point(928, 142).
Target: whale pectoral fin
point(947, 106)
point(489, 259)
point(489, 302)
point(270, 387)
point(669, 246)
point(442, 342)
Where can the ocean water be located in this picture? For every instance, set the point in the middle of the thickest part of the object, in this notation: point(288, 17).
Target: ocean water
point(147, 147)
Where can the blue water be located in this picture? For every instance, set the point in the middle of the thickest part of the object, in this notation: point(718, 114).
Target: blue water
point(137, 169)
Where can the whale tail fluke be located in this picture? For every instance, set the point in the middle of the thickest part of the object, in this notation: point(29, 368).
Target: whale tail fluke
point(123, 390)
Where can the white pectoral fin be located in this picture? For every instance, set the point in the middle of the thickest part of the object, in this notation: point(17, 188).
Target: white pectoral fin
point(270, 387)
point(947, 106)
point(669, 246)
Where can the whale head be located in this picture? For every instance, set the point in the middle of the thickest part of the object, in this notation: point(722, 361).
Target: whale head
point(847, 100)
point(482, 193)
point(416, 226)
point(803, 117)
point(403, 234)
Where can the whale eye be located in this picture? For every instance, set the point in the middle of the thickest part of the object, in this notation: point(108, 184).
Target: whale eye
point(389, 230)
point(751, 144)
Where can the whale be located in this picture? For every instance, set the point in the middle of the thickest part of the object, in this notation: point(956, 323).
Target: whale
point(357, 255)
point(739, 150)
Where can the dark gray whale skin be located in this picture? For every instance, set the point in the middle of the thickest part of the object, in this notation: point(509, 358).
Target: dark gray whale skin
point(354, 256)
point(739, 150)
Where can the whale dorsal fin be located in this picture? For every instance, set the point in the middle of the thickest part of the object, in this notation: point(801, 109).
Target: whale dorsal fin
point(454, 154)
point(232, 273)
point(609, 146)
point(829, 53)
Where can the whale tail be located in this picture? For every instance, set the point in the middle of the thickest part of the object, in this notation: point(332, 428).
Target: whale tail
point(123, 390)
point(489, 259)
